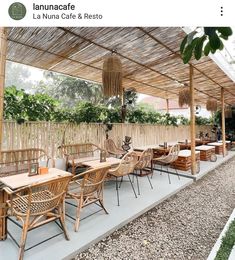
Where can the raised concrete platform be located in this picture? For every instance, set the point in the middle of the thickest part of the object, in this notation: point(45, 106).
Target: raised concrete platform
point(96, 227)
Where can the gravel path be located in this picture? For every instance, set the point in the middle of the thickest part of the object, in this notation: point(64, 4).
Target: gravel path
point(185, 226)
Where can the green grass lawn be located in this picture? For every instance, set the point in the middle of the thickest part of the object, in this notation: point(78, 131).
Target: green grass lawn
point(227, 244)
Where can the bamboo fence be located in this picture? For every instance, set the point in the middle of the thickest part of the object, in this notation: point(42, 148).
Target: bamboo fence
point(49, 135)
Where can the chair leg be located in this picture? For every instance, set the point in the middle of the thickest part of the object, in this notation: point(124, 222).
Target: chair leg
point(168, 174)
point(23, 238)
point(78, 212)
point(161, 169)
point(176, 172)
point(117, 191)
point(138, 187)
point(102, 205)
point(62, 220)
point(149, 182)
point(120, 184)
point(132, 185)
point(101, 198)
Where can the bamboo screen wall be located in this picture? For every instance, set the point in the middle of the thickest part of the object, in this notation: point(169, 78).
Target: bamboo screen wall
point(48, 135)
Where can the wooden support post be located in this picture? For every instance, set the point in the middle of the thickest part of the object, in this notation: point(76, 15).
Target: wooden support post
point(3, 52)
point(123, 107)
point(192, 121)
point(223, 121)
point(167, 105)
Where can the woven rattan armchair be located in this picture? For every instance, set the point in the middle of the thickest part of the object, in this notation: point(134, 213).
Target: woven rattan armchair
point(38, 204)
point(125, 168)
point(85, 189)
point(73, 154)
point(112, 149)
point(144, 164)
point(168, 159)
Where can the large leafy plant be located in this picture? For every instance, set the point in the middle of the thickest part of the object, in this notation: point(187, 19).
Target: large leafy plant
point(207, 41)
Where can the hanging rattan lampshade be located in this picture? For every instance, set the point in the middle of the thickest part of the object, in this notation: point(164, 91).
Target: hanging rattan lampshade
point(228, 112)
point(112, 76)
point(211, 105)
point(184, 97)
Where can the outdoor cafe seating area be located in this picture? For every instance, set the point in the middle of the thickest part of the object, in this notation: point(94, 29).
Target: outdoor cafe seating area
point(66, 186)
point(38, 198)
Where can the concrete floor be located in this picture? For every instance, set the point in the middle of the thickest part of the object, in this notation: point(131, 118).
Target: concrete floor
point(99, 225)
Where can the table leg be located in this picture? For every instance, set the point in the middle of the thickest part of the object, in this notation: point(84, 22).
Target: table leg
point(3, 220)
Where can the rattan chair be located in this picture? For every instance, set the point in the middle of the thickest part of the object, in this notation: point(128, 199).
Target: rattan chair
point(168, 159)
point(112, 149)
point(36, 205)
point(144, 164)
point(85, 189)
point(125, 168)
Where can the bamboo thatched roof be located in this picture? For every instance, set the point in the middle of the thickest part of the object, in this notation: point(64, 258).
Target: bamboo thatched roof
point(150, 57)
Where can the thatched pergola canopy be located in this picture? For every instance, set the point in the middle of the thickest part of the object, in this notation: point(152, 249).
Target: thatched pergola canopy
point(150, 58)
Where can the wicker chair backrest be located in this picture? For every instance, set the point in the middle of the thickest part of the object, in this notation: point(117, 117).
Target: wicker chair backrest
point(145, 159)
point(173, 154)
point(37, 199)
point(127, 164)
point(91, 180)
point(110, 146)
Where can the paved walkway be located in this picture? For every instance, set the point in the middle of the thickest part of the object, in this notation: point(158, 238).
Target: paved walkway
point(186, 226)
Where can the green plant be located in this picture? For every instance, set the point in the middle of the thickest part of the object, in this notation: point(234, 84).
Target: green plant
point(21, 106)
point(227, 244)
point(181, 120)
point(202, 120)
point(167, 119)
point(208, 41)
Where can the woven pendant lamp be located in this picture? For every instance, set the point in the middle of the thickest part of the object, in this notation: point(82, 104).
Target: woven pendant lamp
point(184, 97)
point(211, 105)
point(112, 76)
point(228, 112)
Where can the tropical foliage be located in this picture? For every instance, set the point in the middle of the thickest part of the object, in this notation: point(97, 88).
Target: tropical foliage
point(21, 106)
point(204, 40)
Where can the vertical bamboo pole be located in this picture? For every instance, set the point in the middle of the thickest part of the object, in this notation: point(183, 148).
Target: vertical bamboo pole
point(123, 107)
point(192, 121)
point(3, 52)
point(167, 105)
point(223, 121)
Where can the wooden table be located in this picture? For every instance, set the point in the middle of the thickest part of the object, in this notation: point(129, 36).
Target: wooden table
point(218, 147)
point(205, 152)
point(228, 144)
point(203, 141)
point(18, 181)
point(185, 146)
point(157, 150)
point(142, 148)
point(110, 161)
point(183, 162)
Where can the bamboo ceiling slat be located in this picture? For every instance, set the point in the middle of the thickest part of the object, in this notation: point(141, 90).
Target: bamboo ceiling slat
point(202, 60)
point(150, 58)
